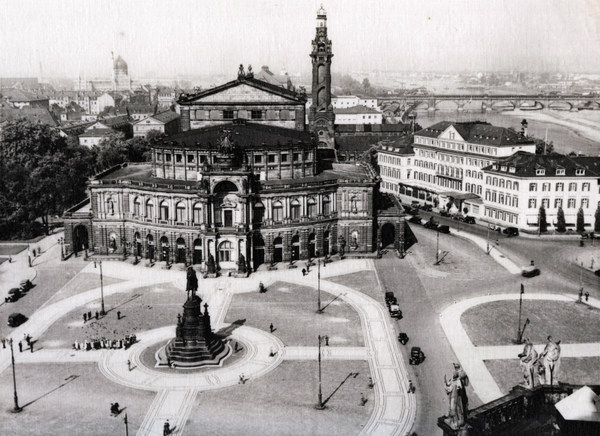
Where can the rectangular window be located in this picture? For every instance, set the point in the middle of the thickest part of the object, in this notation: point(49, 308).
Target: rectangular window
point(257, 115)
point(190, 158)
point(284, 157)
point(585, 203)
point(545, 186)
point(532, 187)
point(546, 203)
point(572, 187)
point(296, 157)
point(557, 203)
point(571, 203)
point(257, 158)
point(167, 157)
point(585, 187)
point(228, 115)
point(271, 158)
point(178, 157)
point(532, 203)
point(560, 187)
point(159, 156)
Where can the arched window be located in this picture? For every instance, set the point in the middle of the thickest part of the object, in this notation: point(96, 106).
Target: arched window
point(259, 212)
point(295, 209)
point(225, 251)
point(312, 207)
point(164, 210)
point(197, 213)
point(326, 205)
point(516, 186)
point(149, 209)
point(277, 211)
point(354, 204)
point(137, 206)
point(180, 212)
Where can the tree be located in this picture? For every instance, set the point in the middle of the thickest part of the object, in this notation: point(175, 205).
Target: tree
point(40, 175)
point(580, 221)
point(543, 147)
point(542, 220)
point(597, 219)
point(366, 85)
point(561, 225)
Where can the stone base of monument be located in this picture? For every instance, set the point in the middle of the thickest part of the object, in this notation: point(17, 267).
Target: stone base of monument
point(191, 356)
point(210, 275)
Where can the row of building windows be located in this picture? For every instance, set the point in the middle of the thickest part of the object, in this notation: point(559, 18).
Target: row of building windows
point(258, 158)
point(474, 174)
point(502, 215)
point(230, 114)
point(473, 188)
point(559, 187)
point(558, 202)
point(481, 149)
point(393, 160)
point(501, 198)
point(502, 183)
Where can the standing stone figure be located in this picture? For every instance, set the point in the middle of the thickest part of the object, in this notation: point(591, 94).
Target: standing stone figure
point(242, 264)
point(210, 264)
point(550, 359)
point(528, 358)
point(192, 281)
point(455, 408)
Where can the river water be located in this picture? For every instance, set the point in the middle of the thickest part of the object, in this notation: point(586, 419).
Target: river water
point(569, 131)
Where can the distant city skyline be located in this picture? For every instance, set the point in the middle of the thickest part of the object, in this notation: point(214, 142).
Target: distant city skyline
point(170, 38)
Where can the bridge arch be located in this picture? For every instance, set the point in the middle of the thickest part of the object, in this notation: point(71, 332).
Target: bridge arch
point(503, 104)
point(560, 105)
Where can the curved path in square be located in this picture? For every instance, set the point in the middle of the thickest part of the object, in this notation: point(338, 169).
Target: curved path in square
point(472, 358)
point(394, 409)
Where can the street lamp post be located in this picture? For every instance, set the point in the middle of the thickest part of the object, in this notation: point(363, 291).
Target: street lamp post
point(61, 241)
point(126, 426)
point(318, 284)
point(437, 247)
point(487, 248)
point(15, 409)
point(519, 332)
point(320, 405)
point(102, 311)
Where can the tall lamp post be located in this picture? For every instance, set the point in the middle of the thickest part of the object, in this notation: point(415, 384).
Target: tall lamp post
point(61, 241)
point(15, 409)
point(320, 405)
point(318, 285)
point(519, 332)
point(102, 311)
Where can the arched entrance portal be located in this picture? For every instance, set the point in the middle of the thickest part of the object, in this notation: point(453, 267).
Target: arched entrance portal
point(296, 247)
point(388, 235)
point(137, 240)
point(180, 251)
point(197, 255)
point(259, 250)
point(150, 247)
point(277, 250)
point(80, 238)
point(164, 249)
point(311, 245)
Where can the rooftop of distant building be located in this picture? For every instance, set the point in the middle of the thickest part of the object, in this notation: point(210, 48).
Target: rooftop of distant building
point(477, 132)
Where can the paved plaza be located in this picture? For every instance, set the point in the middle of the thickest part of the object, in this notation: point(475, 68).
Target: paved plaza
point(279, 367)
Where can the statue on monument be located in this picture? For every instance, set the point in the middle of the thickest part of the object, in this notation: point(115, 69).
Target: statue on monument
point(528, 358)
point(455, 408)
point(550, 360)
point(242, 264)
point(210, 264)
point(241, 72)
point(192, 281)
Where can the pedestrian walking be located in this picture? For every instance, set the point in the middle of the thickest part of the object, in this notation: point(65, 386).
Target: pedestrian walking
point(89, 315)
point(587, 295)
point(371, 384)
point(411, 387)
point(118, 314)
point(3, 343)
point(363, 400)
point(129, 364)
point(84, 318)
point(34, 253)
point(235, 347)
point(20, 347)
point(31, 347)
point(167, 428)
point(9, 259)
point(96, 314)
point(327, 341)
point(271, 328)
point(303, 272)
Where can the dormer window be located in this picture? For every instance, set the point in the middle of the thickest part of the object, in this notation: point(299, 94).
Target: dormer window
point(512, 170)
point(540, 172)
point(579, 172)
point(503, 168)
point(560, 171)
point(494, 167)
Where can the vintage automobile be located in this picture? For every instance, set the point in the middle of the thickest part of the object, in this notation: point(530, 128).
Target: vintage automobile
point(390, 298)
point(416, 356)
point(416, 219)
point(511, 231)
point(395, 311)
point(444, 212)
point(431, 225)
point(25, 285)
point(444, 229)
point(13, 295)
point(16, 319)
point(530, 271)
point(427, 207)
point(469, 220)
point(402, 338)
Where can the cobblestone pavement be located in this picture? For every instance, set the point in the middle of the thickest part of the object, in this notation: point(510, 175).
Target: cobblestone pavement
point(394, 408)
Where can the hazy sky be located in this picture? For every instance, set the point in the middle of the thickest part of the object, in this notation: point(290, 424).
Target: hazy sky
point(166, 38)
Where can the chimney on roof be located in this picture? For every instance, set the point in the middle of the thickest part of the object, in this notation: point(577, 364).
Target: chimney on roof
point(524, 127)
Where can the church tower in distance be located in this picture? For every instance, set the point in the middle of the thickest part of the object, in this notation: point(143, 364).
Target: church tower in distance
point(321, 117)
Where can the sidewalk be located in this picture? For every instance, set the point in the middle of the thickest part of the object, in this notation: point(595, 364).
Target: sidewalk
point(495, 253)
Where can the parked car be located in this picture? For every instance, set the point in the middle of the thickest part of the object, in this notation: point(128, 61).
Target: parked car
point(415, 219)
point(427, 207)
point(13, 295)
point(26, 285)
point(390, 298)
point(395, 311)
point(444, 229)
point(469, 220)
point(457, 217)
point(16, 319)
point(403, 338)
point(415, 204)
point(431, 225)
point(530, 271)
point(444, 212)
point(511, 231)
point(416, 356)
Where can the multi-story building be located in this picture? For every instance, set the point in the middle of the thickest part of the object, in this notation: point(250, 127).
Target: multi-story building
point(357, 115)
point(394, 158)
point(450, 157)
point(516, 188)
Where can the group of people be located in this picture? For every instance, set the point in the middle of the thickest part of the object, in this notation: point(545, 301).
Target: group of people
point(98, 344)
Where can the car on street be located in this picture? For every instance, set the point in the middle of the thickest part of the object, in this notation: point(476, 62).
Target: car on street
point(444, 212)
point(444, 229)
point(13, 295)
point(415, 219)
point(530, 271)
point(469, 220)
point(427, 207)
point(395, 311)
point(431, 225)
point(511, 231)
point(26, 285)
point(416, 356)
point(16, 319)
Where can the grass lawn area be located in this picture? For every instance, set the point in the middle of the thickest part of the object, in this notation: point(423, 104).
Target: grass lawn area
point(576, 370)
point(2, 260)
point(564, 321)
point(282, 403)
point(155, 306)
point(80, 283)
point(292, 311)
point(363, 281)
point(55, 404)
point(12, 249)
